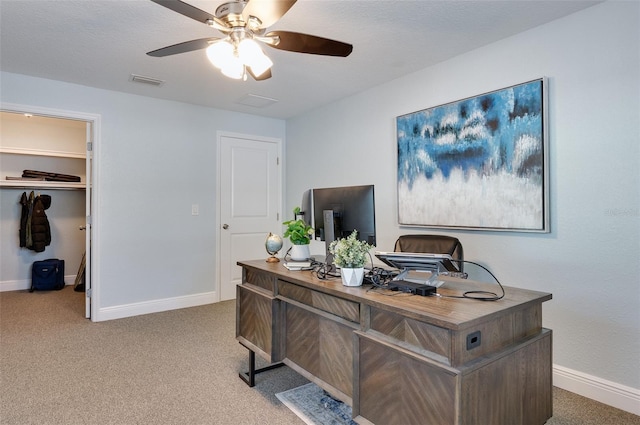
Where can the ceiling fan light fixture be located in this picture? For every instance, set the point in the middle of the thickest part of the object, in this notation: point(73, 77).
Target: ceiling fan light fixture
point(231, 56)
point(258, 71)
point(260, 65)
point(234, 68)
point(252, 56)
point(248, 49)
point(244, 23)
point(220, 54)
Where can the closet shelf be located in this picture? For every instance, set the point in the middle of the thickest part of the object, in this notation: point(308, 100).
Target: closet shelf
point(22, 184)
point(42, 152)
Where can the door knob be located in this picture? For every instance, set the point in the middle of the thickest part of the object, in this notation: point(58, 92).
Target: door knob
point(225, 226)
point(82, 228)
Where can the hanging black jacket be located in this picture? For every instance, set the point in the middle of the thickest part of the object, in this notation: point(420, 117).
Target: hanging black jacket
point(40, 229)
point(23, 219)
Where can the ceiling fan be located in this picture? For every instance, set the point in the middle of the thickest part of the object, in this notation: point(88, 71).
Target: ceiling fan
point(244, 24)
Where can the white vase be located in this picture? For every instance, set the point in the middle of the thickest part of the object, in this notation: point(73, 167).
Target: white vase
point(352, 277)
point(300, 252)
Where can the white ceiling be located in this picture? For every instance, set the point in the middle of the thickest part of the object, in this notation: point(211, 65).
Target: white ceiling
point(100, 43)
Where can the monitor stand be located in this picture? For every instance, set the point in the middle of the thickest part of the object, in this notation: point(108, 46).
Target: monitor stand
point(415, 284)
point(329, 236)
point(329, 233)
point(413, 275)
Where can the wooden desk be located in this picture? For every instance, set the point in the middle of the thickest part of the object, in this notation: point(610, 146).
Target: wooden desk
point(403, 359)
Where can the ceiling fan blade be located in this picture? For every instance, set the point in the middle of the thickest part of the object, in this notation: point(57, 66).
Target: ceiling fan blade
point(187, 46)
point(264, 76)
point(305, 43)
point(193, 13)
point(268, 11)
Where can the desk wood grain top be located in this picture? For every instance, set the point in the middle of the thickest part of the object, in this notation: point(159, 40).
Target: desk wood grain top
point(451, 313)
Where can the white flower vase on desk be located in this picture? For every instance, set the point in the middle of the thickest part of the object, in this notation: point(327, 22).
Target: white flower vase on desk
point(350, 254)
point(300, 252)
point(352, 277)
point(299, 233)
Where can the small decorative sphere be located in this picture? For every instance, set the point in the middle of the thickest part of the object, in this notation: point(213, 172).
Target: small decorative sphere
point(273, 244)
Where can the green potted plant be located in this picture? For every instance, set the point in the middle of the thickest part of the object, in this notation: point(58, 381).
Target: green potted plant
point(350, 254)
point(299, 233)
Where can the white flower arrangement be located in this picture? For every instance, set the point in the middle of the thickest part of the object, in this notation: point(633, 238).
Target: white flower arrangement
point(349, 252)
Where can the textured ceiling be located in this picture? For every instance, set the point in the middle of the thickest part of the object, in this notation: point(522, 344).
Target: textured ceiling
point(100, 43)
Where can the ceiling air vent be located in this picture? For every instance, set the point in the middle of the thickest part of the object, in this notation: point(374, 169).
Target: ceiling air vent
point(146, 80)
point(256, 101)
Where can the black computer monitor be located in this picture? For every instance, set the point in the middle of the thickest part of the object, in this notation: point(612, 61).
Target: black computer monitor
point(338, 211)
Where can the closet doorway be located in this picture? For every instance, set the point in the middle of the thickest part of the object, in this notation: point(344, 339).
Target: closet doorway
point(64, 144)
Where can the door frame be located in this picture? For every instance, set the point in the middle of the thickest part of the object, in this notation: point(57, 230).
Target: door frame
point(219, 135)
point(92, 298)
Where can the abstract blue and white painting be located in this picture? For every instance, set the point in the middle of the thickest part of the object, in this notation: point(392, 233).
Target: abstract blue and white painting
point(476, 163)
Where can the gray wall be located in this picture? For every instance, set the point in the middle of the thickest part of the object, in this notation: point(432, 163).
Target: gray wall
point(156, 158)
point(590, 260)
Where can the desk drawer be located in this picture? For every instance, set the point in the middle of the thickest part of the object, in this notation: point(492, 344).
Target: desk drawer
point(348, 310)
point(261, 280)
point(455, 345)
point(413, 333)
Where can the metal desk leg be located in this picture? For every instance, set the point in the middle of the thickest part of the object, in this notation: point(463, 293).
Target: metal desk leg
point(250, 377)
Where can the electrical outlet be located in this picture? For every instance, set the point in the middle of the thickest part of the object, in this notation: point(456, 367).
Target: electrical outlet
point(474, 340)
point(195, 209)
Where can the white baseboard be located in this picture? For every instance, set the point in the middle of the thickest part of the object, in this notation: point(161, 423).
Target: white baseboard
point(21, 285)
point(155, 306)
point(607, 392)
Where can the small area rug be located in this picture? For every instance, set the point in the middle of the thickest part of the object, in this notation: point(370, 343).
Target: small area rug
point(315, 406)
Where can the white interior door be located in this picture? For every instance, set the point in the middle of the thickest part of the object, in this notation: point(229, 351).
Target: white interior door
point(87, 255)
point(248, 204)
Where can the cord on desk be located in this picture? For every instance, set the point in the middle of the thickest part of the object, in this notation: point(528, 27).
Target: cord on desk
point(479, 295)
point(322, 270)
point(325, 271)
point(379, 278)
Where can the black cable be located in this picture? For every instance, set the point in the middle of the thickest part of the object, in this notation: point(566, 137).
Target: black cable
point(284, 257)
point(479, 295)
point(379, 283)
point(325, 271)
point(379, 279)
point(378, 276)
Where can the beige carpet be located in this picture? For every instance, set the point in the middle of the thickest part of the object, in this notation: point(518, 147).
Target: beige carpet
point(176, 367)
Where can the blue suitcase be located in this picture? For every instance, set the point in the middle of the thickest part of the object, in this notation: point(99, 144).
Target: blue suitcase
point(47, 275)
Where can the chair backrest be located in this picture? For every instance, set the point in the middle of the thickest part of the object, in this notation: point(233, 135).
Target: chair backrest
point(435, 244)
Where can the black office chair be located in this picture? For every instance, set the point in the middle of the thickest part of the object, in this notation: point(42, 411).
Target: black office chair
point(433, 244)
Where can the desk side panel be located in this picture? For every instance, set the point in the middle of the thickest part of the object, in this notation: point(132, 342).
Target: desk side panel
point(257, 322)
point(516, 388)
point(505, 330)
